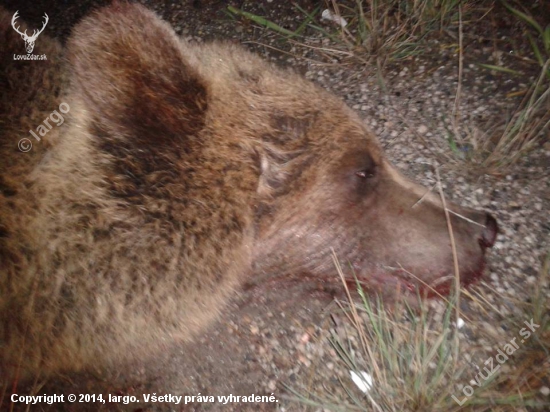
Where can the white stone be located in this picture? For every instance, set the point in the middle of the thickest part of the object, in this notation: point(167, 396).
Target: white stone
point(422, 129)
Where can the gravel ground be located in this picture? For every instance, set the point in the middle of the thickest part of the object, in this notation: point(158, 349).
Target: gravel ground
point(273, 337)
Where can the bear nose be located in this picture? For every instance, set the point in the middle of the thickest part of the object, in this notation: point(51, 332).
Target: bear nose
point(489, 234)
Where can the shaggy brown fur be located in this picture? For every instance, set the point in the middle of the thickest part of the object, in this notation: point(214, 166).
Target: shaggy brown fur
point(180, 171)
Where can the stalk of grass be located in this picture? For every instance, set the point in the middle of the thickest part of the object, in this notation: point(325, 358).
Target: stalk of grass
point(456, 268)
point(542, 33)
point(404, 353)
point(381, 30)
point(262, 21)
point(540, 308)
point(460, 71)
point(499, 69)
point(541, 314)
point(502, 145)
point(526, 127)
point(525, 17)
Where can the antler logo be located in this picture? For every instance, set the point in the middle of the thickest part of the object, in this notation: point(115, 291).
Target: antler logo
point(29, 40)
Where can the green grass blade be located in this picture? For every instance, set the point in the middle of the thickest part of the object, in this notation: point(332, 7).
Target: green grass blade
point(309, 18)
point(536, 50)
point(499, 69)
point(262, 21)
point(546, 39)
point(524, 17)
point(452, 144)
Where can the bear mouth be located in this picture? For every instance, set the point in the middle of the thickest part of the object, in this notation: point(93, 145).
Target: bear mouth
point(397, 280)
point(383, 280)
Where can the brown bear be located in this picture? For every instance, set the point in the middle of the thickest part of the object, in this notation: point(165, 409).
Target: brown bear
point(179, 172)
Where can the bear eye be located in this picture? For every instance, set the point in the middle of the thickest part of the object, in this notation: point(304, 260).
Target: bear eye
point(366, 174)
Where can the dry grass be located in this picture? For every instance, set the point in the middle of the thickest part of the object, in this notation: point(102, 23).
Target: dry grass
point(392, 30)
point(376, 31)
point(501, 146)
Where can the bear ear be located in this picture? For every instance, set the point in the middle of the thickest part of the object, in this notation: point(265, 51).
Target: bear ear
point(131, 71)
